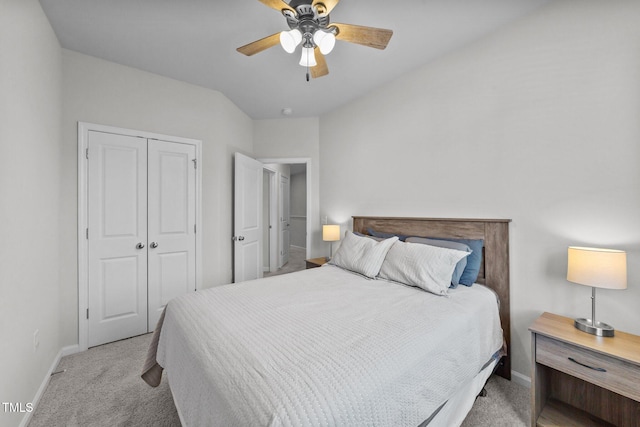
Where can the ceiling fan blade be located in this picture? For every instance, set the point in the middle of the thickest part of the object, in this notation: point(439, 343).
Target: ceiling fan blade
point(321, 65)
point(260, 45)
point(366, 36)
point(328, 4)
point(278, 5)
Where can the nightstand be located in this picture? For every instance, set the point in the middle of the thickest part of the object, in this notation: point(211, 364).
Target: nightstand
point(578, 379)
point(315, 262)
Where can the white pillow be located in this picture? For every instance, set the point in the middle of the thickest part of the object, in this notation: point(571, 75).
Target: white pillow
point(361, 254)
point(424, 266)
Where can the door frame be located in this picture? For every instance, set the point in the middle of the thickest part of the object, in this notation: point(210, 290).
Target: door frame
point(83, 248)
point(273, 215)
point(307, 162)
point(283, 179)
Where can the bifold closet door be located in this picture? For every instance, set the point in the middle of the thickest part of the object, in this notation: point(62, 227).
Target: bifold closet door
point(171, 222)
point(117, 233)
point(141, 232)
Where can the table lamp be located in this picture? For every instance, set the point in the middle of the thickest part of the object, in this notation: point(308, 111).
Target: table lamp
point(598, 268)
point(331, 233)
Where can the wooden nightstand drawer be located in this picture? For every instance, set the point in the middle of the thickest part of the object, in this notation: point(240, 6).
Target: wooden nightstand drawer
point(605, 371)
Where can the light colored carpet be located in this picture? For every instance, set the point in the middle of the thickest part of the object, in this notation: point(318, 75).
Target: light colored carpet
point(102, 387)
point(296, 262)
point(506, 405)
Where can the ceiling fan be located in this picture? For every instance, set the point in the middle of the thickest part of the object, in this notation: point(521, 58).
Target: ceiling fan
point(309, 25)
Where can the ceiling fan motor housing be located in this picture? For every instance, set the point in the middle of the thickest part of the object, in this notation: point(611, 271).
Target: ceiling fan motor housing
point(307, 18)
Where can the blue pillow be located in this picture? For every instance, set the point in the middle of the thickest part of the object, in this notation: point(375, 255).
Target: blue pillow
point(460, 266)
point(471, 271)
point(384, 235)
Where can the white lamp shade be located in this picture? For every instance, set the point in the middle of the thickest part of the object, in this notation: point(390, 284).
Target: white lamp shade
point(330, 233)
point(325, 41)
point(289, 40)
point(308, 58)
point(600, 268)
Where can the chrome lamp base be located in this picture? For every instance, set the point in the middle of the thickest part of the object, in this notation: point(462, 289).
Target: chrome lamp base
point(599, 328)
point(592, 326)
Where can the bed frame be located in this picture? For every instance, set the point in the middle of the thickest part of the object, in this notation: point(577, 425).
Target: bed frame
point(494, 268)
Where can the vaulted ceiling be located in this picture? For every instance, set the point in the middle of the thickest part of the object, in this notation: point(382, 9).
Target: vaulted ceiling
point(195, 41)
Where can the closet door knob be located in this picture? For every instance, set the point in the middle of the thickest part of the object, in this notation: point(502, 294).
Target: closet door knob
point(154, 245)
point(140, 245)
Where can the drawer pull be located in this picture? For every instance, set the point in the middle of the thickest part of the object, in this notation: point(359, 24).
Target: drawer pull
point(587, 366)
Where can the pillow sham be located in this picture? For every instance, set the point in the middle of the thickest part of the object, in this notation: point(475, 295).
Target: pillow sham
point(362, 254)
point(460, 266)
point(424, 266)
point(470, 273)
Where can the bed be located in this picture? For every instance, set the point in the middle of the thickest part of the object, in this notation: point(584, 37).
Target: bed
point(328, 346)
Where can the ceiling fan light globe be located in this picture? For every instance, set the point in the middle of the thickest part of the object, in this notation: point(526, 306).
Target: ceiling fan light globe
point(325, 41)
point(289, 40)
point(308, 58)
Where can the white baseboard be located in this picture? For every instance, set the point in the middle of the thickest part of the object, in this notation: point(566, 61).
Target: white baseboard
point(64, 351)
point(518, 378)
point(70, 349)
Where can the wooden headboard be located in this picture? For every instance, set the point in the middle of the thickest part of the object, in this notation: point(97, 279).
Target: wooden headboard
point(494, 269)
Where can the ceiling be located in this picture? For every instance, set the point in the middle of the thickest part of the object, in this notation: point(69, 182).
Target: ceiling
point(195, 41)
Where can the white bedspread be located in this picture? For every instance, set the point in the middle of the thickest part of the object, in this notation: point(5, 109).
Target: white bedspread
point(323, 347)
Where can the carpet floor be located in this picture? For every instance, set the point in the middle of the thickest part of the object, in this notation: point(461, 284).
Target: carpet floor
point(102, 387)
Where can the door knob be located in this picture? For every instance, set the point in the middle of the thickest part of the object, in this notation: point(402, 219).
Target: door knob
point(241, 238)
point(140, 245)
point(154, 245)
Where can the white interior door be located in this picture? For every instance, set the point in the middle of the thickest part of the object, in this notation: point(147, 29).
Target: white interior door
point(171, 224)
point(285, 219)
point(247, 218)
point(117, 234)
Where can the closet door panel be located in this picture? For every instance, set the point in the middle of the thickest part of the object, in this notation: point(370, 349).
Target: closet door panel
point(117, 236)
point(171, 223)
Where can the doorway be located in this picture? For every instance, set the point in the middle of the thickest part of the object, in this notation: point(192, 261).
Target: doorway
point(289, 246)
point(250, 188)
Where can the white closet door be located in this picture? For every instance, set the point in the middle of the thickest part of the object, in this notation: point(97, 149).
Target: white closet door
point(172, 218)
point(117, 231)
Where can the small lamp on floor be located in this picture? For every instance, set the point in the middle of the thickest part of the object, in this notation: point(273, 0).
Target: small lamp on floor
point(331, 233)
point(598, 268)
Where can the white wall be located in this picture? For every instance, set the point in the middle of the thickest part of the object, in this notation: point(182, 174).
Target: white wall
point(30, 100)
point(103, 92)
point(295, 138)
point(538, 123)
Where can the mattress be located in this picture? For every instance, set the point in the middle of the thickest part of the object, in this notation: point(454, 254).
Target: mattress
point(323, 347)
